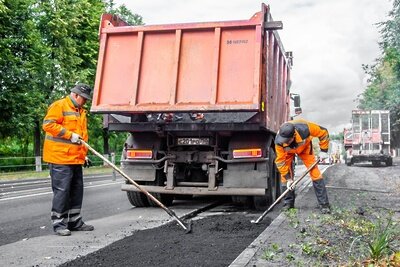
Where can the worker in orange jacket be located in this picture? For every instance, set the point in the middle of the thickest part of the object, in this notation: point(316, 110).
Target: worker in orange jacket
point(295, 138)
point(65, 124)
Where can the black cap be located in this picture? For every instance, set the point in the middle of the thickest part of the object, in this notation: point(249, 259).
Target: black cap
point(285, 133)
point(83, 90)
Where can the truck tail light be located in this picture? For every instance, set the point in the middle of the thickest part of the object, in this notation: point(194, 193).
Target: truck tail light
point(247, 153)
point(139, 154)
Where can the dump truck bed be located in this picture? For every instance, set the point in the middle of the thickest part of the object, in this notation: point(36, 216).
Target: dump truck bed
point(204, 67)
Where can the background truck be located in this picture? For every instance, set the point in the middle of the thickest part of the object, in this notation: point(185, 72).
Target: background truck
point(202, 103)
point(370, 138)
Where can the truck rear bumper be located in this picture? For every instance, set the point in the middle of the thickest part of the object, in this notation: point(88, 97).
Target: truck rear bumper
point(361, 158)
point(217, 191)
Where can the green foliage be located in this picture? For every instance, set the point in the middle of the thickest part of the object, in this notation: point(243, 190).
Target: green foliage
point(45, 48)
point(2, 6)
point(271, 252)
point(19, 46)
point(381, 237)
point(339, 136)
point(383, 91)
point(124, 13)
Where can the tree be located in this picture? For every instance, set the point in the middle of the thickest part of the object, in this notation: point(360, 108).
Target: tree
point(383, 91)
point(45, 48)
point(20, 63)
point(124, 13)
point(2, 6)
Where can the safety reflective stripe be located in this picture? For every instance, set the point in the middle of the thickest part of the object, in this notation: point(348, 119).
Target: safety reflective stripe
point(324, 138)
point(74, 211)
point(58, 215)
point(63, 131)
point(48, 121)
point(74, 218)
point(57, 221)
point(69, 113)
point(60, 140)
point(280, 164)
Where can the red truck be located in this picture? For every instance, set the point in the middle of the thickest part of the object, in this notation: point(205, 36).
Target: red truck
point(369, 138)
point(201, 102)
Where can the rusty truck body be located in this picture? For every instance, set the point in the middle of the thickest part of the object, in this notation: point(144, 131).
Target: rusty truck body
point(370, 138)
point(202, 103)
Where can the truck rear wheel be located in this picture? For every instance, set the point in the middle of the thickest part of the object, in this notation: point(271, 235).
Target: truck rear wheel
point(349, 162)
point(376, 163)
point(273, 191)
point(165, 199)
point(389, 162)
point(137, 199)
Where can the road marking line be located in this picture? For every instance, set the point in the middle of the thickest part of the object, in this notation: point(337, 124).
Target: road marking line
point(46, 193)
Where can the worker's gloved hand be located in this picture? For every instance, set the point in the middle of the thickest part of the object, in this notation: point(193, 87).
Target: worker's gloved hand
point(87, 163)
point(289, 183)
point(75, 138)
point(323, 155)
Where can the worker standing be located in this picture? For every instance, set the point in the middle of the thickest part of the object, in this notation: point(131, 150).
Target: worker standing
point(295, 138)
point(65, 124)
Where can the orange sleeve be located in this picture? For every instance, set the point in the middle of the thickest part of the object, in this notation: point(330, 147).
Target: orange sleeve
point(321, 133)
point(280, 161)
point(52, 122)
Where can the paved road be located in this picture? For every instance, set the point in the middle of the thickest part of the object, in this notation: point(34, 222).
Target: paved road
point(25, 224)
point(25, 205)
point(26, 237)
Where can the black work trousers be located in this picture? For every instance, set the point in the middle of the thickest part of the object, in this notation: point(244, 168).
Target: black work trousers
point(67, 186)
point(319, 189)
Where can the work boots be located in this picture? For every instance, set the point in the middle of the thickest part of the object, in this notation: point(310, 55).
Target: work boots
point(325, 208)
point(62, 232)
point(322, 196)
point(84, 227)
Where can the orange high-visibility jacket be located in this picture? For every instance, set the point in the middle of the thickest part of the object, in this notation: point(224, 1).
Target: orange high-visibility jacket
point(62, 119)
point(302, 146)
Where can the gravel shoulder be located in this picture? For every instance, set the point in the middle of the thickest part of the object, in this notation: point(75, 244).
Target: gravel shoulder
point(364, 201)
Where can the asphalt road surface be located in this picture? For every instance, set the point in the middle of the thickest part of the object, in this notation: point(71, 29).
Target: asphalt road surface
point(26, 236)
point(25, 222)
point(25, 205)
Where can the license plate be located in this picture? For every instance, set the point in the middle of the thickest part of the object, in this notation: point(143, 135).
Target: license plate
point(193, 141)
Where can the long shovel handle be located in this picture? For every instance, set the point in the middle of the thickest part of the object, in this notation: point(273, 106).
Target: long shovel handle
point(292, 187)
point(169, 211)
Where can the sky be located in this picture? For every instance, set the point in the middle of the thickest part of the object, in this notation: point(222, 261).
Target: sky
point(330, 41)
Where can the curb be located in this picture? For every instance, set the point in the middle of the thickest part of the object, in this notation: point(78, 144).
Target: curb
point(249, 253)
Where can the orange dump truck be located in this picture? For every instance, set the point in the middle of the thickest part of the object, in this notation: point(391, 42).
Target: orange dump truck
point(202, 103)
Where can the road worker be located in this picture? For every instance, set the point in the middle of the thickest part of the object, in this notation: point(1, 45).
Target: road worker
point(295, 138)
point(65, 124)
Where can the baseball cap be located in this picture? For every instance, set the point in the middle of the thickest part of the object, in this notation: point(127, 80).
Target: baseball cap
point(285, 133)
point(83, 90)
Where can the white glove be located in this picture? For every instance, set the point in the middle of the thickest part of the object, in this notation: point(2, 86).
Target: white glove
point(289, 183)
point(323, 155)
point(75, 138)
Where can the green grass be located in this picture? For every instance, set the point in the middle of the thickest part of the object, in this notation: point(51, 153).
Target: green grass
point(23, 175)
point(380, 241)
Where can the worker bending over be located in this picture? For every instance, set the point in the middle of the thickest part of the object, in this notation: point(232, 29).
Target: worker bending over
point(295, 138)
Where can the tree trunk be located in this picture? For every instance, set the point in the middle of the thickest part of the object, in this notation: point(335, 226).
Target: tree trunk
point(37, 146)
point(106, 147)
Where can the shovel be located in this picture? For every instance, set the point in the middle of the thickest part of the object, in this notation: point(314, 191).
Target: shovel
point(292, 186)
point(187, 228)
